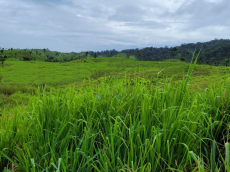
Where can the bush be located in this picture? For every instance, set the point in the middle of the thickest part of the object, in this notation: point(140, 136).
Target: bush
point(11, 89)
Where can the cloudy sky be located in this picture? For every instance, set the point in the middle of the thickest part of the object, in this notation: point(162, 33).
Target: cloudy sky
point(74, 25)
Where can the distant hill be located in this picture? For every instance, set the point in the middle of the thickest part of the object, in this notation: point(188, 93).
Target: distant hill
point(215, 52)
point(40, 54)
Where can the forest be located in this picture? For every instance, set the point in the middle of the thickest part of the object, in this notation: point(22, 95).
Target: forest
point(215, 52)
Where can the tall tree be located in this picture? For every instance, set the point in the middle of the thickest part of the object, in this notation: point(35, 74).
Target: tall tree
point(95, 55)
point(3, 59)
point(86, 54)
point(226, 63)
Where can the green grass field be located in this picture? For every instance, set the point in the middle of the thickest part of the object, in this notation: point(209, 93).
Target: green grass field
point(57, 74)
point(114, 114)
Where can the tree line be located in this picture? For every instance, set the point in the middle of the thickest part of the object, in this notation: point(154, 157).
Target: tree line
point(215, 52)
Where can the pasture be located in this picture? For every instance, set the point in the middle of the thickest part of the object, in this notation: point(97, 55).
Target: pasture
point(114, 114)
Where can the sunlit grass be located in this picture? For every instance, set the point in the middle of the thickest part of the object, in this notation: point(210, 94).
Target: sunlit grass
point(114, 124)
point(59, 74)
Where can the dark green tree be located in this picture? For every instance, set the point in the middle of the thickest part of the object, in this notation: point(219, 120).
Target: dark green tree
point(86, 54)
point(95, 55)
point(182, 59)
point(226, 63)
point(3, 59)
point(26, 59)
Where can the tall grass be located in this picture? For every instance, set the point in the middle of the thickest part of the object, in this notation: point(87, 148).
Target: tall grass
point(120, 125)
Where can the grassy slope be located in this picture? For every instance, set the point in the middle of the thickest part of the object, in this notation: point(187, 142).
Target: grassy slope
point(23, 77)
point(93, 127)
point(54, 74)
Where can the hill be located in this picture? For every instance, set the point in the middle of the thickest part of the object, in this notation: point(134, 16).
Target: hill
point(215, 52)
point(20, 79)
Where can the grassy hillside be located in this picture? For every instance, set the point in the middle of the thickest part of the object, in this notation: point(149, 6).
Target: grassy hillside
point(54, 74)
point(120, 125)
point(25, 76)
point(114, 114)
point(40, 54)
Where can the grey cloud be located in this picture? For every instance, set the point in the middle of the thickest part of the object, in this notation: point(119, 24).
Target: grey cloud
point(148, 24)
point(71, 25)
point(201, 13)
point(128, 14)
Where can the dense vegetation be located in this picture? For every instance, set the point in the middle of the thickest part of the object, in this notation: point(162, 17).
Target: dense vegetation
point(215, 52)
point(120, 124)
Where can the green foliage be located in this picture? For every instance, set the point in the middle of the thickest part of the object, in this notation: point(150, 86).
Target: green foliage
point(13, 88)
point(3, 59)
point(182, 59)
point(95, 55)
point(214, 52)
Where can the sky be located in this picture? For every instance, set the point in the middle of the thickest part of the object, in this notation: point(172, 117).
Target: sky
point(95, 25)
